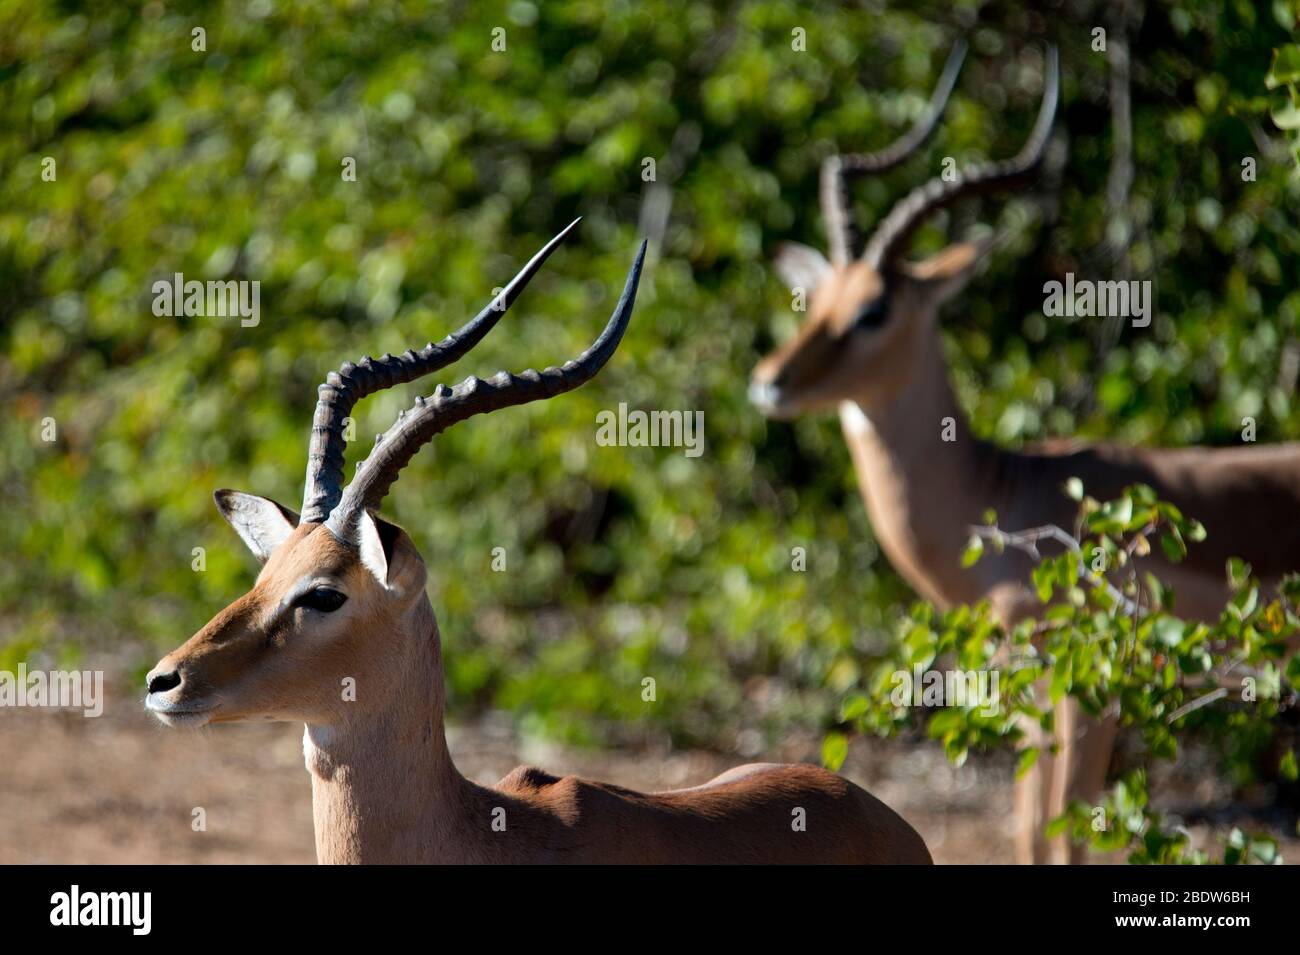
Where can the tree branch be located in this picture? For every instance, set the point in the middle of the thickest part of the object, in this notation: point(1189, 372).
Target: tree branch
point(1026, 541)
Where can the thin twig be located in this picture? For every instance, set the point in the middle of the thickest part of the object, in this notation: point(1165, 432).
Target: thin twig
point(1196, 704)
point(1027, 542)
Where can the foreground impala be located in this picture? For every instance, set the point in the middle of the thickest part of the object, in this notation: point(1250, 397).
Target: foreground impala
point(341, 603)
point(871, 349)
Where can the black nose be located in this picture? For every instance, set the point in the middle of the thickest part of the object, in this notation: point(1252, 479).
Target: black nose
point(159, 682)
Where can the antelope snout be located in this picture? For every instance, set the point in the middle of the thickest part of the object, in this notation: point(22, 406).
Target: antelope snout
point(768, 393)
point(162, 679)
point(168, 696)
point(764, 396)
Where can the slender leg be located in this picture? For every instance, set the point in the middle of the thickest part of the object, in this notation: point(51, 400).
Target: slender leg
point(1033, 791)
point(1076, 771)
point(1080, 771)
point(1032, 798)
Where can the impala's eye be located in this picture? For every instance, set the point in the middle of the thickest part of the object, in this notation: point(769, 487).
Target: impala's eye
point(871, 314)
point(323, 599)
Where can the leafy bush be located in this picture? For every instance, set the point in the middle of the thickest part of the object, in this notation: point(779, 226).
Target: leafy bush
point(1107, 636)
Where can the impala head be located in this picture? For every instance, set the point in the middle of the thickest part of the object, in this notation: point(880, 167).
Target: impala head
point(322, 609)
point(341, 591)
point(869, 314)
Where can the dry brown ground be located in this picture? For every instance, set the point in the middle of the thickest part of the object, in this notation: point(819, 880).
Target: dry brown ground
point(121, 788)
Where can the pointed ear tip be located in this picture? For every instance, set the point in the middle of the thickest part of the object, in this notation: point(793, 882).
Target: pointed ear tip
point(787, 248)
point(375, 540)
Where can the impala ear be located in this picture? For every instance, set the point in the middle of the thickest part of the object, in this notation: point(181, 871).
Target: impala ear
point(260, 522)
point(377, 540)
point(800, 266)
point(946, 273)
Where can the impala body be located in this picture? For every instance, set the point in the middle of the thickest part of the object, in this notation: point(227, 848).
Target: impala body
point(871, 349)
point(338, 632)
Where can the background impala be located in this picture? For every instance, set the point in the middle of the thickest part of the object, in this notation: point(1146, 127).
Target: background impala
point(871, 349)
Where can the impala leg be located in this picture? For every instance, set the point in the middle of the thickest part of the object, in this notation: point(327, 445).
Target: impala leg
point(1032, 795)
point(1080, 771)
point(1077, 771)
point(1033, 798)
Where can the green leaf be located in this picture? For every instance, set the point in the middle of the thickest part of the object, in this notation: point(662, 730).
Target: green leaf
point(1025, 760)
point(1286, 116)
point(1159, 592)
point(1244, 603)
point(974, 548)
point(1168, 631)
point(1062, 680)
point(835, 749)
point(1123, 511)
point(1044, 576)
point(1057, 827)
point(1264, 850)
point(1284, 14)
point(1285, 68)
point(854, 708)
point(1143, 494)
point(1287, 767)
point(1069, 572)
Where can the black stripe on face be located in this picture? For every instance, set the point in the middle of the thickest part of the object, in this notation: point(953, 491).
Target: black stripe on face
point(871, 314)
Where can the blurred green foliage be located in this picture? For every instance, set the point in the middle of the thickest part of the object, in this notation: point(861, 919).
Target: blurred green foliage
point(1107, 637)
point(622, 562)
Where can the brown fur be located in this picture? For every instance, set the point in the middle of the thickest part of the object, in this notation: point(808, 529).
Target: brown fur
point(923, 494)
point(384, 788)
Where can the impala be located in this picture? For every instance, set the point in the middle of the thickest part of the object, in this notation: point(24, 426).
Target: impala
point(871, 349)
point(340, 603)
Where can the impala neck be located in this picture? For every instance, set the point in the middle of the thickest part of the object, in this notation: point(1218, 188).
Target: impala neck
point(384, 788)
point(923, 492)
